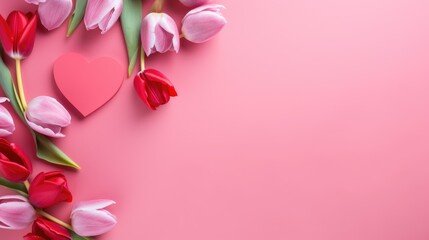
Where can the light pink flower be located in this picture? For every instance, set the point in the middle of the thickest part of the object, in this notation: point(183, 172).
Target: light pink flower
point(89, 218)
point(7, 125)
point(194, 3)
point(102, 14)
point(159, 34)
point(53, 12)
point(203, 23)
point(47, 116)
point(15, 212)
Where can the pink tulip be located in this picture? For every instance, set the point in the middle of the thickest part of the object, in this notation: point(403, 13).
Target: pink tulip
point(7, 125)
point(47, 116)
point(102, 14)
point(90, 219)
point(203, 23)
point(159, 34)
point(16, 212)
point(53, 12)
point(194, 3)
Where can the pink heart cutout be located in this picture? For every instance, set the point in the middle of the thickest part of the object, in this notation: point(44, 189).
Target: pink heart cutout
point(87, 85)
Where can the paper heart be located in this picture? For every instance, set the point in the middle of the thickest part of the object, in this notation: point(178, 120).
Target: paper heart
point(88, 85)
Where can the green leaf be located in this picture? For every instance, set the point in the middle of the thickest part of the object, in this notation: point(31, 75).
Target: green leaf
point(77, 237)
point(131, 20)
point(46, 150)
point(77, 16)
point(6, 83)
point(17, 187)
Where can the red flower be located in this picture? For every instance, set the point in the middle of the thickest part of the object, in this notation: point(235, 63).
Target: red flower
point(17, 34)
point(15, 166)
point(48, 189)
point(154, 88)
point(44, 229)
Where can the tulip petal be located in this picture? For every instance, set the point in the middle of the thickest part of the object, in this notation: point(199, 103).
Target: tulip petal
point(169, 25)
point(36, 2)
point(50, 131)
point(148, 37)
point(47, 116)
point(48, 189)
point(110, 19)
point(15, 212)
point(96, 10)
point(50, 230)
point(92, 223)
point(193, 3)
point(32, 236)
point(6, 36)
point(203, 23)
point(7, 125)
point(93, 204)
point(27, 38)
point(17, 22)
point(54, 12)
point(14, 164)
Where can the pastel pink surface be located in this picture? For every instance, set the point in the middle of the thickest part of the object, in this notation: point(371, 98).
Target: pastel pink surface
point(87, 85)
point(302, 120)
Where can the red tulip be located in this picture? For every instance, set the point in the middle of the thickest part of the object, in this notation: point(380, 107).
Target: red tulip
point(154, 88)
point(48, 189)
point(44, 229)
point(17, 34)
point(15, 166)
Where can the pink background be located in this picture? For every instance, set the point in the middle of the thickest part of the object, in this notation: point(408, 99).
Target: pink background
point(302, 120)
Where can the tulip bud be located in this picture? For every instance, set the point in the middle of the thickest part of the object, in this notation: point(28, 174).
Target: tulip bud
point(16, 212)
point(154, 88)
point(90, 219)
point(44, 229)
point(203, 23)
point(15, 166)
point(18, 33)
point(53, 12)
point(159, 34)
point(194, 3)
point(47, 116)
point(7, 125)
point(48, 189)
point(102, 14)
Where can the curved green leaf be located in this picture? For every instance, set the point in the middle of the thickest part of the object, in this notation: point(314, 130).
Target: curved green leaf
point(49, 152)
point(131, 20)
point(46, 150)
point(77, 16)
point(17, 187)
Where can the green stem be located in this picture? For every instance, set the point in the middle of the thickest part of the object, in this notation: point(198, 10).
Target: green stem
point(20, 85)
point(157, 6)
point(142, 59)
point(54, 219)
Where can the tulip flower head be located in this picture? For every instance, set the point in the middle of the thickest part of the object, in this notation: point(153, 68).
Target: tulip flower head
point(194, 3)
point(7, 126)
point(15, 166)
point(159, 33)
point(53, 13)
point(90, 219)
point(48, 189)
point(102, 14)
point(16, 212)
point(203, 23)
point(154, 88)
point(47, 116)
point(44, 229)
point(18, 33)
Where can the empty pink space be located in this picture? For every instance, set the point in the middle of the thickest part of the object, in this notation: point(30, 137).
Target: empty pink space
point(302, 120)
